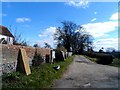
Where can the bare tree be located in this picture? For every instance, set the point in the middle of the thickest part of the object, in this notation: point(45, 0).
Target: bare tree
point(47, 45)
point(18, 39)
point(36, 45)
point(73, 37)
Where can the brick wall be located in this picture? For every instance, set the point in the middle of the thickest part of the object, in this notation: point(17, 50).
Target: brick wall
point(10, 52)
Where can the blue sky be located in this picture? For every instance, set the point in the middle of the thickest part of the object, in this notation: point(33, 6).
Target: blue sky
point(37, 21)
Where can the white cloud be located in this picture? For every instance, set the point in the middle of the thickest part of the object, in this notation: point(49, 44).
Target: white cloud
point(81, 3)
point(48, 32)
point(100, 28)
point(107, 42)
point(97, 30)
point(114, 16)
point(3, 15)
point(23, 19)
point(94, 19)
point(95, 12)
point(47, 36)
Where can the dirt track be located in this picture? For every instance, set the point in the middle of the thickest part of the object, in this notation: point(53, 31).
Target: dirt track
point(83, 73)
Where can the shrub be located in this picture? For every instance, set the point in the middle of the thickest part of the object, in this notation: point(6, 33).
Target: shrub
point(105, 59)
point(102, 58)
point(37, 59)
point(116, 62)
point(12, 76)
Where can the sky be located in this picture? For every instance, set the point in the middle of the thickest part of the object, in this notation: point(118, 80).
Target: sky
point(37, 21)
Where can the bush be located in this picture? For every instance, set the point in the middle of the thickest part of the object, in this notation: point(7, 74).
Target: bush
point(105, 59)
point(102, 58)
point(116, 62)
point(37, 60)
point(14, 76)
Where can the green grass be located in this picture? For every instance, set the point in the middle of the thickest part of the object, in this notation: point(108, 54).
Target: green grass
point(116, 62)
point(41, 76)
point(92, 59)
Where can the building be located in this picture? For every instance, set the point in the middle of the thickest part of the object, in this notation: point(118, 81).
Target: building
point(6, 36)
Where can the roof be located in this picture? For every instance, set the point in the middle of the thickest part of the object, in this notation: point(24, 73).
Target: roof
point(4, 31)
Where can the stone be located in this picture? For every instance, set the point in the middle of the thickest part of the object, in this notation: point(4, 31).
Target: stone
point(47, 58)
point(69, 54)
point(63, 54)
point(8, 67)
point(53, 54)
point(87, 85)
point(23, 64)
point(57, 67)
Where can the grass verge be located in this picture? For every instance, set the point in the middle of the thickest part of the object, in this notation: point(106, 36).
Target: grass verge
point(41, 76)
point(116, 62)
point(92, 59)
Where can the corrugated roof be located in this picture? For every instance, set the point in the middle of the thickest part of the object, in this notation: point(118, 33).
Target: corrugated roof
point(4, 31)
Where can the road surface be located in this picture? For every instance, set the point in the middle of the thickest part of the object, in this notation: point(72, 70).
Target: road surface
point(83, 73)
